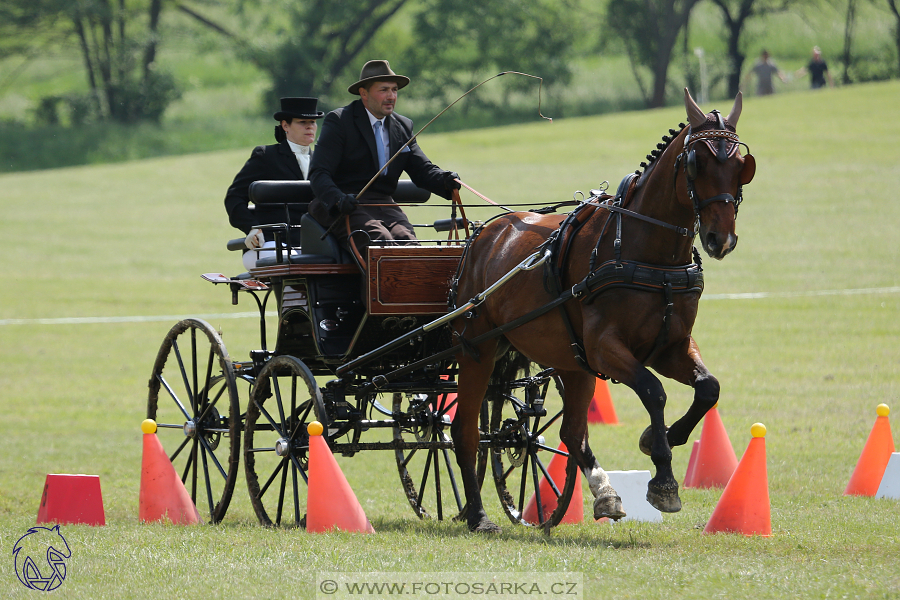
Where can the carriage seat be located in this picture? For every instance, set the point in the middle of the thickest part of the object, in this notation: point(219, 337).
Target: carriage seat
point(294, 197)
point(315, 250)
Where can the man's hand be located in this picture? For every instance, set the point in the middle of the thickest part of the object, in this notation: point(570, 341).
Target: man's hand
point(255, 239)
point(449, 180)
point(347, 204)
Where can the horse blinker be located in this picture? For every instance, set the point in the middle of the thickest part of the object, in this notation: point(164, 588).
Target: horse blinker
point(690, 165)
point(748, 170)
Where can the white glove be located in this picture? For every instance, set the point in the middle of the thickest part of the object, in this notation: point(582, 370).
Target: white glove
point(255, 239)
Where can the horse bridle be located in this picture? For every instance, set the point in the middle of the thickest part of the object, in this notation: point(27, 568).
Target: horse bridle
point(726, 145)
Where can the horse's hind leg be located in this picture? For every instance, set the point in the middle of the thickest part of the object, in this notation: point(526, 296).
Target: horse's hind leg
point(474, 377)
point(578, 391)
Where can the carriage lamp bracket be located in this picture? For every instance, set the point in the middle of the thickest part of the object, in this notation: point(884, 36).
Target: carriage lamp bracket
point(260, 358)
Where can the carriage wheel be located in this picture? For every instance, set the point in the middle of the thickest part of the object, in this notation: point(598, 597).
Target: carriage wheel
point(285, 399)
point(520, 457)
point(194, 400)
point(427, 474)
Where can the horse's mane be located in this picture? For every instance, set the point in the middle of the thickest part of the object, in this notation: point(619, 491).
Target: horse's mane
point(712, 122)
point(660, 148)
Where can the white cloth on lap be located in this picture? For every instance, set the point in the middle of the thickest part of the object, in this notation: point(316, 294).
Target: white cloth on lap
point(251, 257)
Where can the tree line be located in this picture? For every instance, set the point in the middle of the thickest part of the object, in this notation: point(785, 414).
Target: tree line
point(305, 46)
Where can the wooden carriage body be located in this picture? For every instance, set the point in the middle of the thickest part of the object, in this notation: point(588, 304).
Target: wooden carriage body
point(331, 306)
point(330, 313)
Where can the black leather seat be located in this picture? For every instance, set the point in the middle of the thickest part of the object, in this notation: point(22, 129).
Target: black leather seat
point(295, 197)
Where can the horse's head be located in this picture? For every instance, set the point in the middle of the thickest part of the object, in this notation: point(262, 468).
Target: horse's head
point(714, 172)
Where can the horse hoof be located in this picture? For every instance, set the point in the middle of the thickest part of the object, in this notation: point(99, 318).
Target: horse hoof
point(646, 441)
point(608, 504)
point(485, 525)
point(664, 499)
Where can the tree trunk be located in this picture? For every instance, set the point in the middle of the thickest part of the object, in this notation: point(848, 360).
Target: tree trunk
point(88, 62)
point(736, 57)
point(848, 38)
point(894, 9)
point(150, 53)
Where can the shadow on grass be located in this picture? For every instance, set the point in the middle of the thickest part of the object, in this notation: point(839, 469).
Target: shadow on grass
point(578, 535)
point(587, 535)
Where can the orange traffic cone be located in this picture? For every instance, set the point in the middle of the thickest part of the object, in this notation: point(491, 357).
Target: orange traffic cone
point(557, 470)
point(601, 409)
point(692, 462)
point(715, 460)
point(447, 401)
point(330, 503)
point(163, 495)
point(744, 505)
point(874, 458)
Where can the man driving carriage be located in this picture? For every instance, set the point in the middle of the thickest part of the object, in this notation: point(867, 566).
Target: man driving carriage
point(356, 142)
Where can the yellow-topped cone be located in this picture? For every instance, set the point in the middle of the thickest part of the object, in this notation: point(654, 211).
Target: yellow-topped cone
point(874, 459)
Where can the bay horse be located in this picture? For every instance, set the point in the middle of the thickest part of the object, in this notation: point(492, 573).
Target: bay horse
point(635, 292)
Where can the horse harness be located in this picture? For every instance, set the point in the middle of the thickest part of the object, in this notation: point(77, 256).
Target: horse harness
point(618, 273)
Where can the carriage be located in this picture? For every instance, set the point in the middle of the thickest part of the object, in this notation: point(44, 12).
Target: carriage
point(378, 345)
point(215, 412)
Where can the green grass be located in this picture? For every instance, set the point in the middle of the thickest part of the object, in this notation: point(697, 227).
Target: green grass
point(132, 238)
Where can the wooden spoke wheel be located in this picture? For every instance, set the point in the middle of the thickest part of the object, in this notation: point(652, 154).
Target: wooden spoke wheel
point(194, 400)
point(520, 457)
point(284, 401)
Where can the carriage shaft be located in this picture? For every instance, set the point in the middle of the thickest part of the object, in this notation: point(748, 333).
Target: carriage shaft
point(530, 263)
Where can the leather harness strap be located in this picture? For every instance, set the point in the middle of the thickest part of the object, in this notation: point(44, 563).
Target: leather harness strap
point(615, 273)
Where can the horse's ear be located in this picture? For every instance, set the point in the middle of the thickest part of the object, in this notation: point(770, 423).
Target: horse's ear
point(748, 170)
point(696, 116)
point(735, 113)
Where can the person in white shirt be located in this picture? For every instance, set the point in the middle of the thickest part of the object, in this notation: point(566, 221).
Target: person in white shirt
point(288, 160)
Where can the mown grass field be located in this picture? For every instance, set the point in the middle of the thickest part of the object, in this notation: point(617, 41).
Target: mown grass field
point(808, 359)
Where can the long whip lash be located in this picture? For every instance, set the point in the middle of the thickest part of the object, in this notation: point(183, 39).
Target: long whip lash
point(413, 138)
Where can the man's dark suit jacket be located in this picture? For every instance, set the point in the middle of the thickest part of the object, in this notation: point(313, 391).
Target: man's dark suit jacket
point(275, 162)
point(346, 159)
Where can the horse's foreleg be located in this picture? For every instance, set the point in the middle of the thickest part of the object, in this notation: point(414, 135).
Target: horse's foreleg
point(662, 491)
point(473, 383)
point(578, 391)
point(617, 361)
point(688, 368)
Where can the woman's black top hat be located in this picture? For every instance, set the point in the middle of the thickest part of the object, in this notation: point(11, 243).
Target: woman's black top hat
point(298, 108)
point(377, 70)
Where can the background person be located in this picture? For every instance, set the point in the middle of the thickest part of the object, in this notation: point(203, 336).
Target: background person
point(817, 69)
point(764, 69)
point(349, 153)
point(288, 160)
